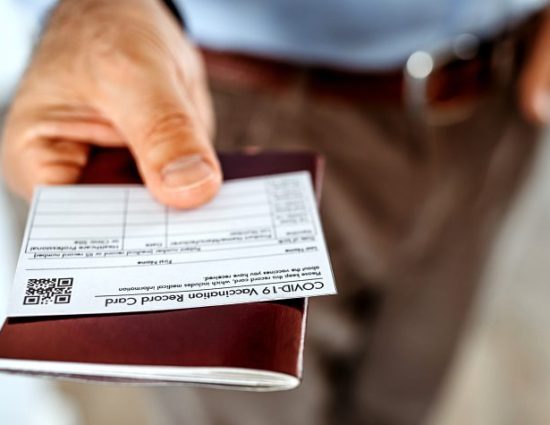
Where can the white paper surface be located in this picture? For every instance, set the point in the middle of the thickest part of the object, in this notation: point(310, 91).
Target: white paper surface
point(113, 248)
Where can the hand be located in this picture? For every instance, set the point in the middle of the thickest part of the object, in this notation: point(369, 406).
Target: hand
point(114, 73)
point(535, 80)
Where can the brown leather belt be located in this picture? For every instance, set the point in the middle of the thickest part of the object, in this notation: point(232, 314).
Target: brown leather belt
point(455, 80)
point(258, 73)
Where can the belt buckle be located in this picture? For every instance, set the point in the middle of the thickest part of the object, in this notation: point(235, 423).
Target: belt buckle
point(423, 65)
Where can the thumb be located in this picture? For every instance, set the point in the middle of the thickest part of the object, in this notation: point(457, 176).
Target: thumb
point(169, 141)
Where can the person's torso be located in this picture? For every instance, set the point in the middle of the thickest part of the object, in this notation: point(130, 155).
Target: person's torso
point(344, 33)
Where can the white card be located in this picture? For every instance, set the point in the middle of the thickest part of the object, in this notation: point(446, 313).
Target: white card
point(114, 249)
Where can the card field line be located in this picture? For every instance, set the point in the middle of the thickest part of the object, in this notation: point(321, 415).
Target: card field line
point(206, 289)
point(156, 235)
point(157, 223)
point(248, 257)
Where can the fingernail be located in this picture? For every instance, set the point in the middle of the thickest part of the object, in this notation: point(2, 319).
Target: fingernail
point(542, 107)
point(187, 172)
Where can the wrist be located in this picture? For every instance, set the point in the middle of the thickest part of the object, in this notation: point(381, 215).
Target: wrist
point(75, 21)
point(79, 12)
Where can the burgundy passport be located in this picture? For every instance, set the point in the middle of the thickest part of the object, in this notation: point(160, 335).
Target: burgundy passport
point(256, 346)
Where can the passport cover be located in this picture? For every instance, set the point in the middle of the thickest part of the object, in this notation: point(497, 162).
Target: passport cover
point(255, 346)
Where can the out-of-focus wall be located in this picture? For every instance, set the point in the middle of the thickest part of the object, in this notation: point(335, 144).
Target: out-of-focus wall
point(20, 25)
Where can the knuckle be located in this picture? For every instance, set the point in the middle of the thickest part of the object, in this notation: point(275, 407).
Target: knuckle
point(171, 122)
point(70, 153)
point(167, 136)
point(59, 172)
point(109, 54)
point(123, 54)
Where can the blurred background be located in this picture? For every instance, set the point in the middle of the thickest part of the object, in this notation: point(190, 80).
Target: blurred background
point(499, 371)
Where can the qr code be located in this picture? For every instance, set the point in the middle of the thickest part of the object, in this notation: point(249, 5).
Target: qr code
point(48, 291)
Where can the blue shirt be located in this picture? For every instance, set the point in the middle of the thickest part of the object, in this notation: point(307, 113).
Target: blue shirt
point(359, 34)
point(374, 34)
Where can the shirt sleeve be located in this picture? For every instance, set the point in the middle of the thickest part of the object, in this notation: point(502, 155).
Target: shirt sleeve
point(176, 10)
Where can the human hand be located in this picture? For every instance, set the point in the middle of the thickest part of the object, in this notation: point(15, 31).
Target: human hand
point(113, 74)
point(535, 79)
